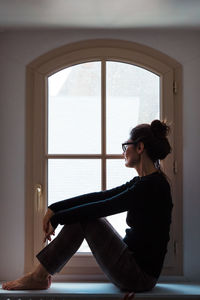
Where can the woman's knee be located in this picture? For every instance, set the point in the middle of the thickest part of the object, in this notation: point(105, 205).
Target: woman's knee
point(92, 223)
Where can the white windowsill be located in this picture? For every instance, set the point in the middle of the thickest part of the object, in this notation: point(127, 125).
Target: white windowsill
point(95, 291)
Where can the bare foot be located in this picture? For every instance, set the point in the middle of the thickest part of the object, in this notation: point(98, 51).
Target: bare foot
point(28, 282)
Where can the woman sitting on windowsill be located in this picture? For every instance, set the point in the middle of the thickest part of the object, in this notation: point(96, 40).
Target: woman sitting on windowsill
point(132, 263)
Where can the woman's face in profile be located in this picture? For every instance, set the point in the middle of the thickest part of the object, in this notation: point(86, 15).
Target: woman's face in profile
point(130, 155)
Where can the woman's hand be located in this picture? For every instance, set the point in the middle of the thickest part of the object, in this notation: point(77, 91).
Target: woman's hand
point(49, 233)
point(47, 227)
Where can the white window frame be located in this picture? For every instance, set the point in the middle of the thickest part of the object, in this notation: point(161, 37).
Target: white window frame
point(83, 267)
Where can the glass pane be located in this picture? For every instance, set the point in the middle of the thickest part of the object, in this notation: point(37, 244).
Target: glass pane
point(68, 178)
point(74, 110)
point(71, 177)
point(118, 174)
point(133, 97)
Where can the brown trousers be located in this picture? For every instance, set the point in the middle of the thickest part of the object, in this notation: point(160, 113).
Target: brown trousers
point(108, 248)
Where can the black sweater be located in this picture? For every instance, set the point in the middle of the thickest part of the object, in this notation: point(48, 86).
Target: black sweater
point(148, 203)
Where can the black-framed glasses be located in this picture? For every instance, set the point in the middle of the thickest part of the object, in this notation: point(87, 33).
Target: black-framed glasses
point(125, 145)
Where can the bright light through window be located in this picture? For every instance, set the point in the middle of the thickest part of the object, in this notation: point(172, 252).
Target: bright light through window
point(74, 108)
point(132, 98)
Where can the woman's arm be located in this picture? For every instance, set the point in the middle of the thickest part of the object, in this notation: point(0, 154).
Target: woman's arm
point(101, 207)
point(88, 198)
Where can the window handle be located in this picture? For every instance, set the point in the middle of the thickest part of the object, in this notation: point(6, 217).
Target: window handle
point(38, 197)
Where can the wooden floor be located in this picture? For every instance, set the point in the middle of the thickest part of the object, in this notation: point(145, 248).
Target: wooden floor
point(97, 291)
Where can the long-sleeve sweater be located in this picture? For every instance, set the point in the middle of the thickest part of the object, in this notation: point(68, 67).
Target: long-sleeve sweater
point(148, 203)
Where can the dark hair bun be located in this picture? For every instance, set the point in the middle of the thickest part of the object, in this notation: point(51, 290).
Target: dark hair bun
point(160, 129)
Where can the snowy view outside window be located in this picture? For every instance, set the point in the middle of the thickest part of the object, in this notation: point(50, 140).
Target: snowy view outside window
point(74, 126)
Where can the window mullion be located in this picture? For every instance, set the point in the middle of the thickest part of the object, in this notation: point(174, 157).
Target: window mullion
point(103, 124)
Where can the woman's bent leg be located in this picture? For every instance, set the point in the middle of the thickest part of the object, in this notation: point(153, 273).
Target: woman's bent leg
point(108, 248)
point(52, 258)
point(56, 254)
point(114, 257)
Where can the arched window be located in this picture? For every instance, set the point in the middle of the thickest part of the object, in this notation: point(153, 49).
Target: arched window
point(82, 101)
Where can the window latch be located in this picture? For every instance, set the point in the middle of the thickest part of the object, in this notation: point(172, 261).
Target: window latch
point(38, 197)
point(175, 87)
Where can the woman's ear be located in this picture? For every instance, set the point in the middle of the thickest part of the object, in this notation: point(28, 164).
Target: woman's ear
point(140, 147)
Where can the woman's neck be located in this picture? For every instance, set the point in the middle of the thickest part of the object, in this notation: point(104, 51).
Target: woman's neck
point(145, 168)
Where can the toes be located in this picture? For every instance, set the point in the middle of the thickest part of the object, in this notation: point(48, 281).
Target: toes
point(13, 287)
point(9, 286)
point(5, 285)
point(26, 283)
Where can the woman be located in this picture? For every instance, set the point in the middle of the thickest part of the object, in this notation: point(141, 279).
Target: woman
point(132, 263)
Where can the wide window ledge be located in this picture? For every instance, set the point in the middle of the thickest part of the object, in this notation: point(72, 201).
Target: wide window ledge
point(97, 291)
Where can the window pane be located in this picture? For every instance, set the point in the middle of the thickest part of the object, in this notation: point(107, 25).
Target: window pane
point(118, 174)
point(71, 177)
point(68, 178)
point(74, 110)
point(132, 97)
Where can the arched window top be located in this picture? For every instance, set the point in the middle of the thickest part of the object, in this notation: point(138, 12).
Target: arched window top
point(103, 49)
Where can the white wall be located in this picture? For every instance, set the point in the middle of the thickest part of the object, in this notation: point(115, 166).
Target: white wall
point(17, 49)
